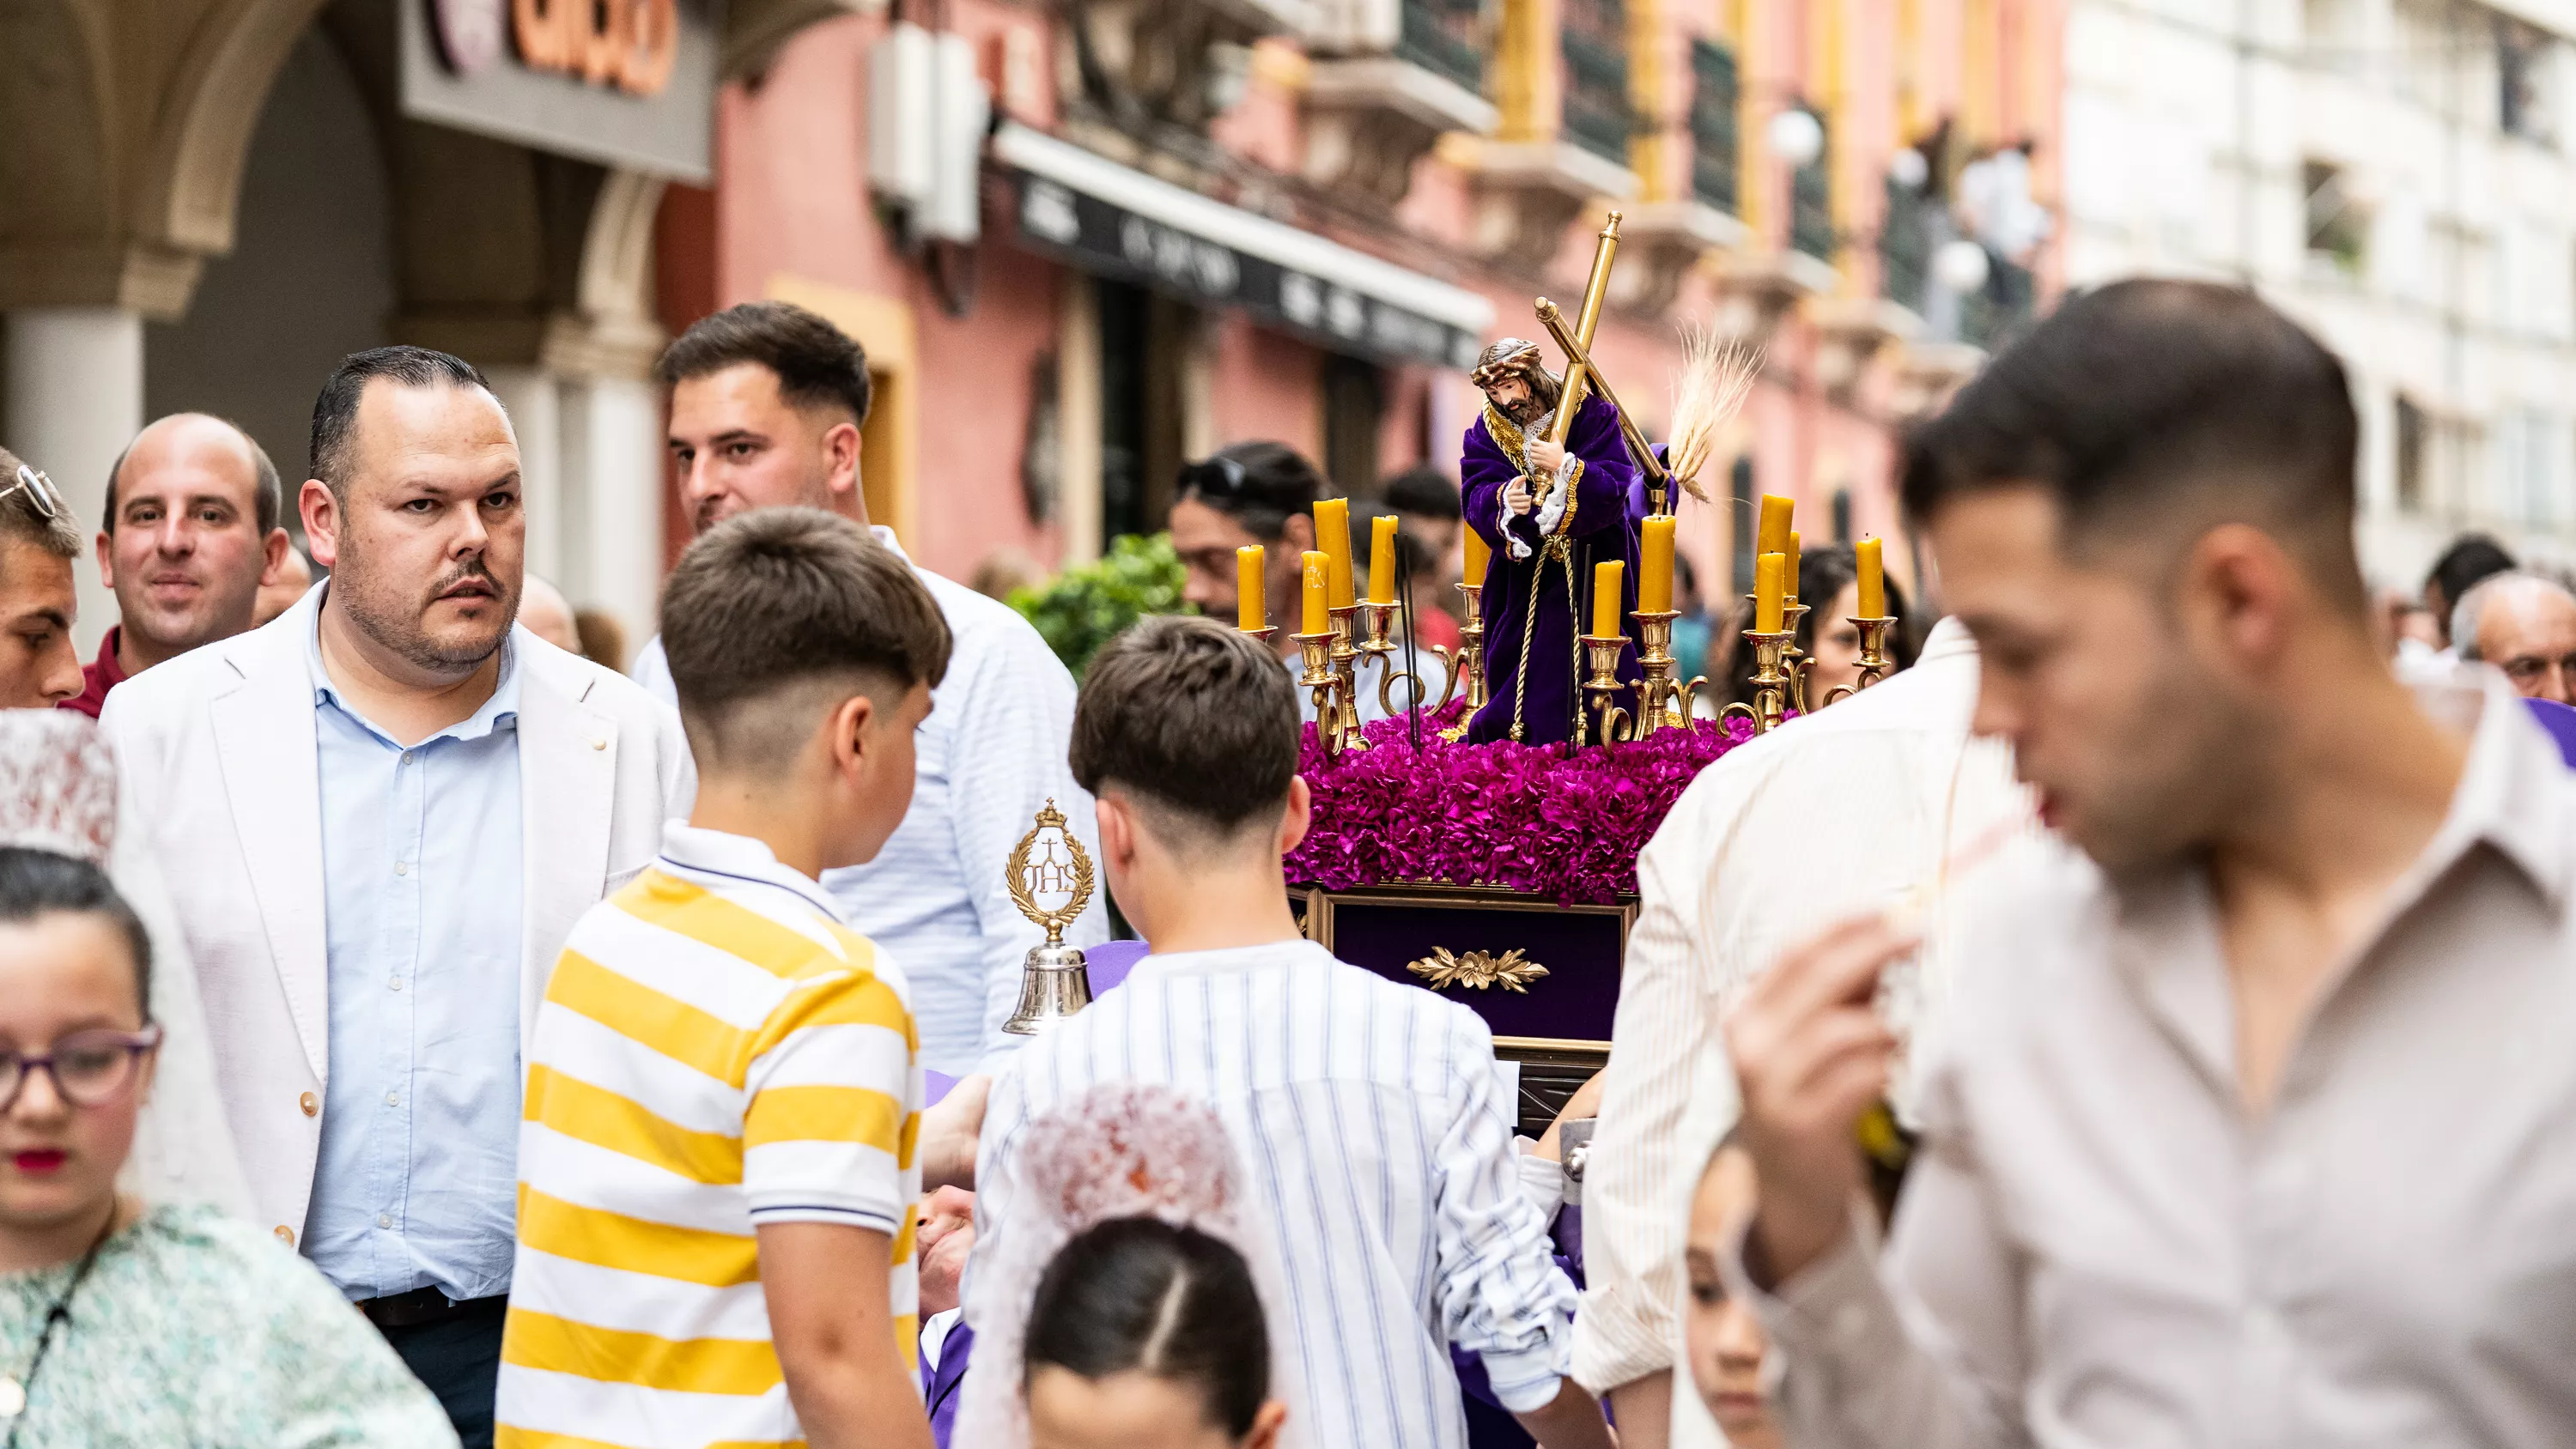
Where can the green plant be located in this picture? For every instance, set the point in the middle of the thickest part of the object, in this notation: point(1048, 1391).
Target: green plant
point(1086, 606)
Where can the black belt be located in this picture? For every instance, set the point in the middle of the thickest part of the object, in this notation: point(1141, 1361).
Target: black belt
point(426, 1305)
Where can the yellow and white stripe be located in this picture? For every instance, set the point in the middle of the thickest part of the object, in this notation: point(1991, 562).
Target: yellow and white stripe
point(716, 1051)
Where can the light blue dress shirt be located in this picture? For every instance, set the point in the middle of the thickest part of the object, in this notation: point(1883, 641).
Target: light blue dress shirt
point(417, 1183)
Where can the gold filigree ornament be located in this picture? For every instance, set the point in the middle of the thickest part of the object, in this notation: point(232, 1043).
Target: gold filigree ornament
point(1040, 866)
point(1055, 981)
point(1477, 970)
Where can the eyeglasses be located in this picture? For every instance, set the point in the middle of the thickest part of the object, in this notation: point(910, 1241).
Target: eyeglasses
point(2528, 669)
point(89, 1068)
point(40, 491)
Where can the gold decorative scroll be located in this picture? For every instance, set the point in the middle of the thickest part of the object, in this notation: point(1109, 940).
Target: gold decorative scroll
point(1477, 970)
point(1064, 872)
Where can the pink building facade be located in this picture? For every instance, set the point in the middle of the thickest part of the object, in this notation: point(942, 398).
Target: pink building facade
point(1348, 198)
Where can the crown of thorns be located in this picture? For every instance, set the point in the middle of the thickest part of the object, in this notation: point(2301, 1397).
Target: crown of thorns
point(1512, 357)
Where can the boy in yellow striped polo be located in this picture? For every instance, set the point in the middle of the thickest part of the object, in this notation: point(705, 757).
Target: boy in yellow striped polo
point(717, 1164)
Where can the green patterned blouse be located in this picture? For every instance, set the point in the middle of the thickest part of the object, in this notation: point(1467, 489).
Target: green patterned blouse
point(196, 1331)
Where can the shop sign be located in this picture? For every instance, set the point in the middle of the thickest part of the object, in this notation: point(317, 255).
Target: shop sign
point(1103, 238)
point(626, 83)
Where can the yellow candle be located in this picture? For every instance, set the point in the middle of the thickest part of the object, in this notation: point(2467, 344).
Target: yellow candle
point(1873, 580)
point(1655, 566)
point(1789, 569)
point(1251, 608)
point(1605, 597)
point(1382, 559)
point(1333, 536)
point(1479, 554)
point(1766, 592)
point(1774, 534)
point(1319, 576)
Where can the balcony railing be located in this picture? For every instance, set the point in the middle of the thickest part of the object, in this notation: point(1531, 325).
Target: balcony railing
point(1999, 311)
point(1597, 114)
point(1445, 37)
point(1715, 94)
point(1811, 202)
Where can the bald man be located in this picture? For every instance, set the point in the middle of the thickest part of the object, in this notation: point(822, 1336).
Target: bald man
point(191, 532)
point(2524, 625)
point(547, 614)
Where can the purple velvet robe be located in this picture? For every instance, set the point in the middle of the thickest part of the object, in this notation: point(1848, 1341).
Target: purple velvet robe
point(1609, 499)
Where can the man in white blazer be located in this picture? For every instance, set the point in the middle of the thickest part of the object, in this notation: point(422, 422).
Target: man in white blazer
point(381, 814)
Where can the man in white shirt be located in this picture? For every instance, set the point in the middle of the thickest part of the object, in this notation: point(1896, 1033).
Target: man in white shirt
point(1368, 1112)
point(1843, 811)
point(2249, 1128)
point(766, 402)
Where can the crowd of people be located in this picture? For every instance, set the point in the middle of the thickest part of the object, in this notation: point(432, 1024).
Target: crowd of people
point(415, 1031)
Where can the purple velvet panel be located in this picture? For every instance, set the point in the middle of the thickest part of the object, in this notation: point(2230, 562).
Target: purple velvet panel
point(1575, 1000)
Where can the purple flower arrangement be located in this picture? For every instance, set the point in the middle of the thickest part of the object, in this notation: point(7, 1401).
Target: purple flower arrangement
point(1530, 819)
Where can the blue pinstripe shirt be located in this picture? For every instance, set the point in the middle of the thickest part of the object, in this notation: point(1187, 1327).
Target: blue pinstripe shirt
point(1371, 1120)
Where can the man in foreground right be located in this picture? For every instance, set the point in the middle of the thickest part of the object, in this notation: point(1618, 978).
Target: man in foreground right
point(2252, 1127)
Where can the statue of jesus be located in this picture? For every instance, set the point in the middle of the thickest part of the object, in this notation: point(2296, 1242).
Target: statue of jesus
point(1550, 513)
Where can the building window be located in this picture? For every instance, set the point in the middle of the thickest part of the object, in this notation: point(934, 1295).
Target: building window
point(1142, 336)
point(1354, 414)
point(1597, 117)
point(1445, 37)
point(1842, 515)
point(2413, 442)
point(1811, 200)
point(1714, 148)
point(2338, 230)
point(1905, 243)
point(1743, 510)
point(2523, 95)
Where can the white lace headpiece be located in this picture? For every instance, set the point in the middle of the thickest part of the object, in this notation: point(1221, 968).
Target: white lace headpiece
point(57, 784)
point(1119, 1150)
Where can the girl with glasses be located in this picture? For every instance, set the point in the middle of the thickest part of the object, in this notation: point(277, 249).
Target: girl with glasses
point(123, 1323)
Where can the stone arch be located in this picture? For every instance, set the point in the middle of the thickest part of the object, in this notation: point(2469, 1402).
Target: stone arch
point(58, 201)
point(190, 180)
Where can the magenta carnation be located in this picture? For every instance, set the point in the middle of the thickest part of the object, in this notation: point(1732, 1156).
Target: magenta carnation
point(1526, 818)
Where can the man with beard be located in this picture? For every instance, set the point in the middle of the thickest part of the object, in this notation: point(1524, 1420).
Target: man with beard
point(189, 539)
point(2249, 1124)
point(1549, 512)
point(766, 403)
point(381, 813)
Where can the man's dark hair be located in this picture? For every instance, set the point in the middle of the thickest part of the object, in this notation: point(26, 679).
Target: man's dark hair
point(1260, 485)
point(23, 519)
point(36, 883)
point(817, 364)
point(2471, 560)
point(780, 612)
point(1424, 490)
point(1145, 1296)
point(267, 495)
point(2151, 404)
point(335, 411)
point(1197, 721)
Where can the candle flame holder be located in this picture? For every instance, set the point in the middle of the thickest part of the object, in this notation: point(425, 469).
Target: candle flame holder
point(1605, 686)
point(1265, 633)
point(1875, 662)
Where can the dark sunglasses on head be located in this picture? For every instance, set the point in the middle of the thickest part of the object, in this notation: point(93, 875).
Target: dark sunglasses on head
point(1217, 477)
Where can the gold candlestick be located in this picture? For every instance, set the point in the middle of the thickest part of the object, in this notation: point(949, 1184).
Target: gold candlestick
point(1265, 633)
point(1055, 980)
point(1324, 686)
point(1378, 643)
point(1796, 662)
point(1655, 658)
point(1345, 663)
point(1616, 724)
point(1875, 661)
point(1470, 666)
point(1771, 680)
